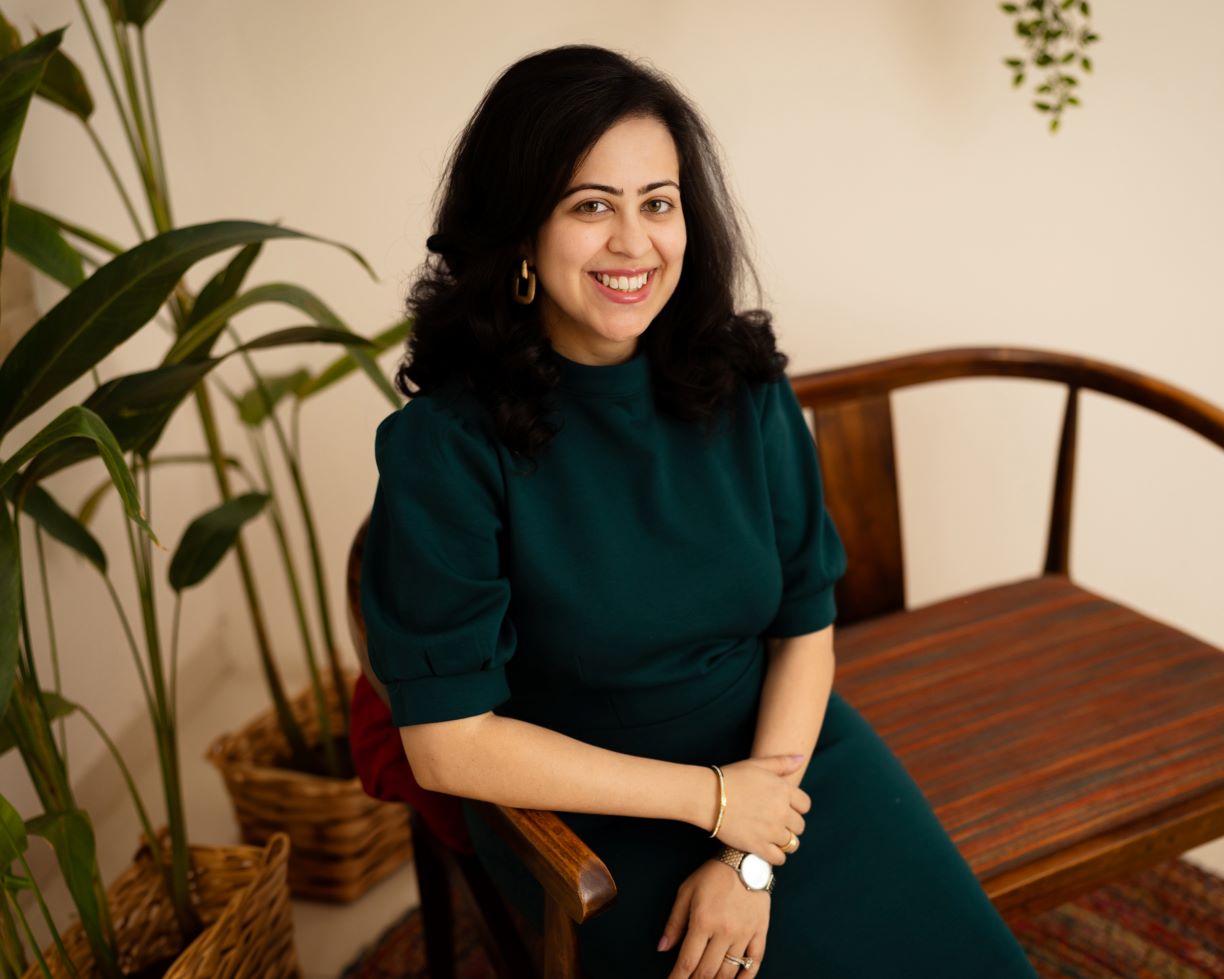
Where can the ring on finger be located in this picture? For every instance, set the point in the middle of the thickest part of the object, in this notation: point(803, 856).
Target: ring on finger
point(791, 845)
point(743, 963)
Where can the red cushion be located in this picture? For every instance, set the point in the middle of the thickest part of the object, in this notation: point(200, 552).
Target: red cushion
point(382, 766)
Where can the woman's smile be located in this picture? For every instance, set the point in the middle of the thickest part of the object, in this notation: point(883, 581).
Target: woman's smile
point(623, 285)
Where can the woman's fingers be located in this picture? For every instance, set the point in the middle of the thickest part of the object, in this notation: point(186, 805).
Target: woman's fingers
point(676, 920)
point(755, 951)
point(691, 955)
point(774, 855)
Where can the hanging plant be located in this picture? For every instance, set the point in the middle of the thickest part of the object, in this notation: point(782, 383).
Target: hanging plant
point(1057, 35)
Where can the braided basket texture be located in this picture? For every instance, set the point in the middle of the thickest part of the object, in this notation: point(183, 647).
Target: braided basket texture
point(343, 841)
point(241, 896)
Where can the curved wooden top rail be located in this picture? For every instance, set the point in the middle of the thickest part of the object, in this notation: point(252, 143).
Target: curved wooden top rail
point(883, 376)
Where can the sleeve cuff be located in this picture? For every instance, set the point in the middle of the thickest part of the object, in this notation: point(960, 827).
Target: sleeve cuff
point(803, 614)
point(446, 698)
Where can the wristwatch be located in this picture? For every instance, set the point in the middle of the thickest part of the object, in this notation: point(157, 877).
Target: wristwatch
point(754, 871)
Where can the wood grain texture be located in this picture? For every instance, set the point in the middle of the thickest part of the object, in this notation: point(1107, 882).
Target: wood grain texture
point(1061, 738)
point(858, 469)
point(570, 873)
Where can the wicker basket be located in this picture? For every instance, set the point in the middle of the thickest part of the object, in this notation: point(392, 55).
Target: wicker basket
point(241, 896)
point(343, 840)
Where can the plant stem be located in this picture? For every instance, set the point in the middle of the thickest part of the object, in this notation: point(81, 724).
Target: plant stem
point(312, 541)
point(165, 732)
point(46, 913)
point(174, 654)
point(114, 175)
point(288, 723)
point(131, 639)
point(299, 606)
point(161, 220)
point(159, 165)
point(141, 812)
point(13, 964)
point(55, 664)
point(110, 82)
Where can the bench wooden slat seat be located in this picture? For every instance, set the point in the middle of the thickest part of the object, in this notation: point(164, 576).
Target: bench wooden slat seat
point(1063, 739)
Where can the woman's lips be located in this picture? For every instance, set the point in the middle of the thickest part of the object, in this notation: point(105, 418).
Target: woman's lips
point(623, 296)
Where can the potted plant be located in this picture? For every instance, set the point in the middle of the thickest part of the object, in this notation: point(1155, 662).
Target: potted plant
point(307, 746)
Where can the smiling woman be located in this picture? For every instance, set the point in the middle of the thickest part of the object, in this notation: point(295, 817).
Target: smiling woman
point(599, 573)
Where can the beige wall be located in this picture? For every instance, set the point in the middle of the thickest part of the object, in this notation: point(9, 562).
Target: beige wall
point(901, 194)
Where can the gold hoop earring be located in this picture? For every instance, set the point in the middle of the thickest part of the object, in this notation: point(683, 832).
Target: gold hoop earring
point(523, 289)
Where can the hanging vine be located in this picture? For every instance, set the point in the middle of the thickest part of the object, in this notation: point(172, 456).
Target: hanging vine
point(1057, 35)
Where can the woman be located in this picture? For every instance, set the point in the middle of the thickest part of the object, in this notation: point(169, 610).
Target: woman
point(599, 571)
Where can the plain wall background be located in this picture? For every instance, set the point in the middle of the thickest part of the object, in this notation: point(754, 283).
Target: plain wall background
point(901, 196)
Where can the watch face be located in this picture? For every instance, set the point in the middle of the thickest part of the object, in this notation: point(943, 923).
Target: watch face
point(755, 871)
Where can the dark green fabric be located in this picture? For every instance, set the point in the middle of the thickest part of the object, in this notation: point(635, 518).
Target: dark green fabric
point(620, 594)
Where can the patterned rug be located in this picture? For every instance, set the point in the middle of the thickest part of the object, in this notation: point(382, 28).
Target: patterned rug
point(1163, 923)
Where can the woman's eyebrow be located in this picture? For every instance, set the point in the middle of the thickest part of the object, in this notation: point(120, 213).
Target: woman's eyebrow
point(616, 191)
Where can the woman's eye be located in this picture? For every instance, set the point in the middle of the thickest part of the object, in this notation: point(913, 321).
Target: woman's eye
point(591, 207)
point(658, 206)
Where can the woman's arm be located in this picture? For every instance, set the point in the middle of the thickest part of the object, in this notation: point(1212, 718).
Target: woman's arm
point(514, 763)
point(795, 696)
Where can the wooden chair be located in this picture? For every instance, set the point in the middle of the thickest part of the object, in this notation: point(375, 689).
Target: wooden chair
point(1062, 739)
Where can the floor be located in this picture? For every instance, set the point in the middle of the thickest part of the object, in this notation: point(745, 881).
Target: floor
point(328, 936)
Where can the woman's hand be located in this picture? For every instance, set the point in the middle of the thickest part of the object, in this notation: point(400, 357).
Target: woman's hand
point(763, 809)
point(722, 918)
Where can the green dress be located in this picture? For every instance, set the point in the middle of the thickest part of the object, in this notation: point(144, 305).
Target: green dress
point(620, 593)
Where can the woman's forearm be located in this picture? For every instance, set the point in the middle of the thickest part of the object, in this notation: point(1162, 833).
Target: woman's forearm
point(798, 682)
point(514, 763)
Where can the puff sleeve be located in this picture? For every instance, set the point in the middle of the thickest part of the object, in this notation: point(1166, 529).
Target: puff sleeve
point(433, 592)
point(809, 547)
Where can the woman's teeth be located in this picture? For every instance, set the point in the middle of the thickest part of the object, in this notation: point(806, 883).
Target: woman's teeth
point(623, 283)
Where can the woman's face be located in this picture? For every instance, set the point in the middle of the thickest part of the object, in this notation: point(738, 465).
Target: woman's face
point(608, 258)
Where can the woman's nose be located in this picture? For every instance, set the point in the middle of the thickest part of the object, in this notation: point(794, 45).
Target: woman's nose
point(629, 236)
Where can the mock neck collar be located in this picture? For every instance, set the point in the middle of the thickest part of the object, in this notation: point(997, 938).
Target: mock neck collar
point(607, 380)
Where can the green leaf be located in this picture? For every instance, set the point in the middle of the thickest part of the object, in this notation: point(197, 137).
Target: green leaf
point(41, 507)
point(1042, 106)
point(134, 12)
point(203, 333)
point(221, 288)
point(64, 85)
point(110, 306)
point(20, 75)
point(57, 707)
point(76, 231)
point(37, 239)
point(1084, 9)
point(13, 840)
point(253, 407)
point(10, 610)
point(209, 537)
point(1017, 81)
point(1013, 62)
point(1086, 63)
point(1072, 100)
point(1054, 124)
point(1090, 38)
point(345, 365)
point(74, 423)
point(1042, 59)
point(1069, 56)
point(1008, 8)
point(137, 407)
point(72, 838)
point(1042, 89)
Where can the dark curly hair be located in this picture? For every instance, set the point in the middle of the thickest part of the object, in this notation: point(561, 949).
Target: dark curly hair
point(508, 171)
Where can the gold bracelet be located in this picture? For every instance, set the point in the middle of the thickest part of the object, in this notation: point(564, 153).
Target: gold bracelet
point(722, 800)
